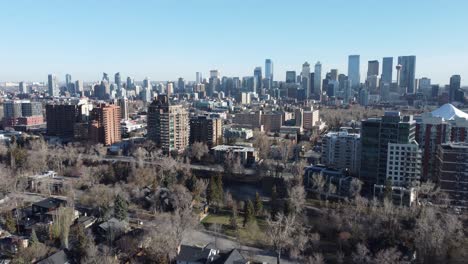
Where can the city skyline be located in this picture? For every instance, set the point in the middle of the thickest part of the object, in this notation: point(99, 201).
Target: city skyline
point(77, 38)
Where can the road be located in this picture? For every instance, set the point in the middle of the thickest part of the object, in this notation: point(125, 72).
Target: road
point(202, 238)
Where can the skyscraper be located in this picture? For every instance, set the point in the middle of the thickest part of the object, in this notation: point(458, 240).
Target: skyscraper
point(168, 125)
point(354, 74)
point(198, 77)
point(291, 77)
point(305, 79)
point(373, 68)
point(269, 70)
point(318, 81)
point(22, 88)
point(258, 79)
point(105, 77)
point(118, 80)
point(78, 86)
point(52, 85)
point(455, 83)
point(68, 82)
point(130, 83)
point(408, 71)
point(387, 70)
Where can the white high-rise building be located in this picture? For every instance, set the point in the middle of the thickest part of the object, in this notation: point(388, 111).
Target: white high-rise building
point(403, 164)
point(341, 150)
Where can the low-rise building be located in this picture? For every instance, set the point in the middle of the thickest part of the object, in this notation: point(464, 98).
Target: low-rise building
point(247, 155)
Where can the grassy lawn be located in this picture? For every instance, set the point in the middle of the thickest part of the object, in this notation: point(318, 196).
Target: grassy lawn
point(253, 235)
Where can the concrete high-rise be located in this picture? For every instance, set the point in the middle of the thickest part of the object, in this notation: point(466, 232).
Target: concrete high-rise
point(376, 135)
point(168, 125)
point(53, 85)
point(104, 126)
point(318, 81)
point(342, 150)
point(408, 73)
point(198, 77)
point(372, 68)
point(387, 70)
point(354, 75)
point(123, 104)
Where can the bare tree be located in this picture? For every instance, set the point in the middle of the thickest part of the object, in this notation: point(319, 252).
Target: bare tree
point(262, 143)
point(355, 187)
point(280, 233)
point(361, 255)
point(318, 184)
point(297, 198)
point(316, 258)
point(198, 150)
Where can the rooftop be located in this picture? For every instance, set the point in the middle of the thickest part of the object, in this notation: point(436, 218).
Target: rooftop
point(449, 112)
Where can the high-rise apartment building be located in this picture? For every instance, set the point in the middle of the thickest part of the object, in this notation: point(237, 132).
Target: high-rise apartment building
point(354, 74)
point(104, 126)
point(408, 73)
point(168, 125)
point(452, 171)
point(123, 104)
point(342, 150)
point(404, 164)
point(206, 130)
point(61, 119)
point(376, 135)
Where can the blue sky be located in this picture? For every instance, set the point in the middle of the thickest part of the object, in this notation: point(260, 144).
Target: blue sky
point(168, 39)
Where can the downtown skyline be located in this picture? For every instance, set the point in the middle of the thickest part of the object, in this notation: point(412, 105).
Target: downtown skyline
point(77, 38)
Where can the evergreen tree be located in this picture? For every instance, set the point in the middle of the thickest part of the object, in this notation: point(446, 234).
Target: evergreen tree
point(219, 189)
point(233, 219)
point(258, 204)
point(274, 202)
point(249, 213)
point(83, 243)
point(287, 208)
point(33, 239)
point(388, 190)
point(120, 208)
point(211, 191)
point(10, 223)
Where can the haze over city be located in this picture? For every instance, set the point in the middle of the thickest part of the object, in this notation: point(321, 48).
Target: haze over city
point(165, 40)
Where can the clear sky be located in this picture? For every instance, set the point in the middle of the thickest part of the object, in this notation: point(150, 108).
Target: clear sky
point(169, 39)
